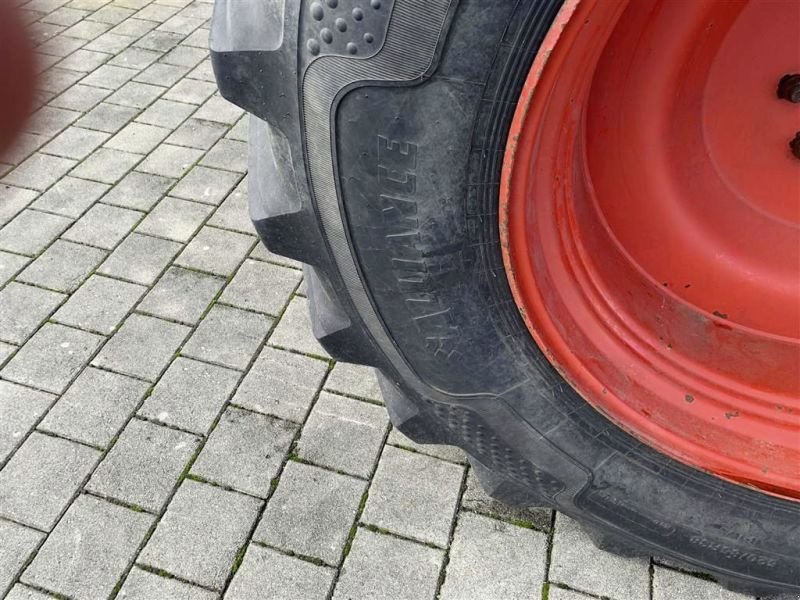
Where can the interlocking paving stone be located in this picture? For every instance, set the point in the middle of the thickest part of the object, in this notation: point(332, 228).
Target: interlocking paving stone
point(294, 330)
point(103, 226)
point(557, 593)
point(135, 58)
point(18, 544)
point(6, 350)
point(20, 409)
point(89, 550)
point(215, 251)
point(144, 465)
point(175, 219)
point(234, 213)
point(182, 295)
point(576, 562)
point(37, 484)
point(672, 585)
point(228, 336)
point(158, 40)
point(23, 592)
point(84, 60)
point(227, 154)
point(63, 266)
point(95, 407)
point(107, 165)
point(202, 184)
point(100, 304)
point(14, 200)
point(265, 573)
point(197, 134)
point(414, 495)
point(138, 138)
point(87, 30)
point(190, 395)
point(261, 287)
point(170, 161)
point(24, 145)
point(449, 453)
point(343, 434)
point(245, 451)
point(281, 383)
point(218, 109)
point(166, 113)
point(23, 308)
point(140, 258)
point(354, 380)
point(143, 585)
point(200, 534)
point(162, 75)
point(80, 97)
point(31, 231)
point(311, 512)
point(110, 43)
point(142, 347)
point(75, 142)
point(139, 191)
point(70, 197)
point(185, 56)
point(134, 27)
point(110, 77)
point(492, 559)
point(476, 499)
point(191, 91)
point(49, 120)
point(40, 171)
point(382, 566)
point(52, 357)
point(107, 117)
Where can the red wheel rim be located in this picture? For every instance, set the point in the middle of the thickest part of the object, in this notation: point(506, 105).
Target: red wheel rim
point(650, 224)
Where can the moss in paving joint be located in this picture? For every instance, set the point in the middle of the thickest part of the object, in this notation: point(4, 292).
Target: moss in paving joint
point(545, 591)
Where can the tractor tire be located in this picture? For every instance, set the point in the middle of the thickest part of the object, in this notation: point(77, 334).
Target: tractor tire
point(375, 159)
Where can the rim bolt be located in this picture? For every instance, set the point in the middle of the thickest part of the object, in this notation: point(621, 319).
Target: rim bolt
point(795, 145)
point(789, 87)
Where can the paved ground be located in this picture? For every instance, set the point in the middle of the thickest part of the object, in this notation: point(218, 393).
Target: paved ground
point(168, 426)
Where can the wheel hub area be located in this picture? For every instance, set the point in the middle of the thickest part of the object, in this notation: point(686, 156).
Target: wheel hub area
point(650, 222)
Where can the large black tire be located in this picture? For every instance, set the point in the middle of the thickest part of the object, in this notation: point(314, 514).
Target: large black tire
point(377, 164)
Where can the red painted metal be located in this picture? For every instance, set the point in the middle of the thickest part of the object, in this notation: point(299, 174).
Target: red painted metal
point(650, 222)
point(17, 73)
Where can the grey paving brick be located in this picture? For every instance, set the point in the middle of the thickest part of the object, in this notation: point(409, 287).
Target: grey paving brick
point(294, 330)
point(111, 14)
point(63, 266)
point(245, 451)
point(202, 72)
point(143, 585)
point(95, 407)
point(23, 146)
point(107, 117)
point(39, 481)
point(671, 585)
point(190, 395)
point(175, 219)
point(49, 120)
point(181, 24)
point(157, 12)
point(144, 465)
point(138, 190)
point(343, 434)
point(87, 30)
point(234, 213)
point(39, 171)
point(89, 550)
point(135, 58)
point(228, 336)
point(197, 134)
point(185, 56)
point(103, 226)
point(191, 91)
point(52, 357)
point(138, 138)
point(354, 380)
point(449, 453)
point(14, 200)
point(133, 27)
point(110, 43)
point(261, 287)
point(414, 495)
point(202, 184)
point(20, 409)
point(84, 60)
point(70, 196)
point(265, 573)
point(18, 544)
point(76, 142)
point(142, 347)
point(476, 499)
point(100, 304)
point(227, 154)
point(166, 113)
point(10, 265)
point(60, 45)
point(170, 161)
point(381, 566)
point(311, 512)
point(161, 41)
point(23, 592)
point(161, 75)
point(80, 97)
point(492, 559)
point(106, 165)
point(65, 16)
point(136, 94)
point(201, 533)
point(281, 383)
point(22, 309)
point(557, 593)
point(198, 39)
point(240, 131)
point(31, 231)
point(215, 251)
point(140, 258)
point(576, 562)
point(109, 77)
point(6, 350)
point(53, 81)
point(216, 108)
